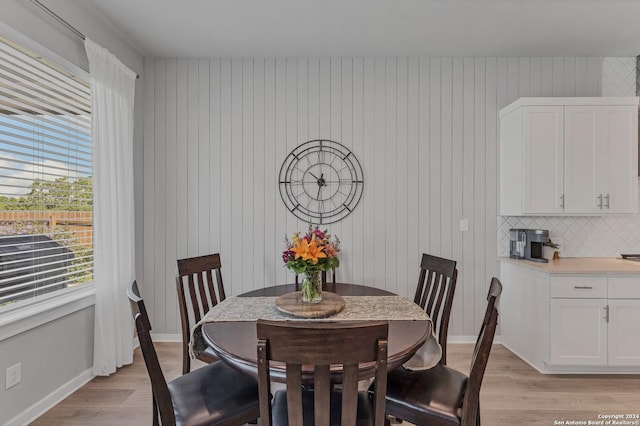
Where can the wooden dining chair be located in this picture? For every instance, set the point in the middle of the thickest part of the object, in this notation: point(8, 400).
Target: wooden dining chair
point(212, 395)
point(442, 395)
point(326, 346)
point(197, 294)
point(434, 294)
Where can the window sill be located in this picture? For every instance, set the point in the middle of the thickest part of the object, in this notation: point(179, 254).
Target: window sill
point(25, 315)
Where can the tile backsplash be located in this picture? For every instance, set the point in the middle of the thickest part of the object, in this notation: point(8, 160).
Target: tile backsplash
point(579, 236)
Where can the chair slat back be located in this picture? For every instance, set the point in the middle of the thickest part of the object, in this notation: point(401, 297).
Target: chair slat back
point(434, 293)
point(322, 345)
point(195, 284)
point(158, 381)
point(480, 356)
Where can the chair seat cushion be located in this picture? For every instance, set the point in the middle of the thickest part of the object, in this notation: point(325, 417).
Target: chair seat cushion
point(280, 417)
point(420, 396)
point(213, 393)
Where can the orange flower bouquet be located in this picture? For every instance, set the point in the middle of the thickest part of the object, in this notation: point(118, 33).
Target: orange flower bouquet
point(309, 255)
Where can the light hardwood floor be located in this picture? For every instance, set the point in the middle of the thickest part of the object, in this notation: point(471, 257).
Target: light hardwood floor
point(512, 393)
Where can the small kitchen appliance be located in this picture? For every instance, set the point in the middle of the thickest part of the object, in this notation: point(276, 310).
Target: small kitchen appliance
point(534, 250)
point(528, 244)
point(517, 243)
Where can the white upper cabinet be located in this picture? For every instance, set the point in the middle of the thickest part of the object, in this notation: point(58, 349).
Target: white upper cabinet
point(569, 156)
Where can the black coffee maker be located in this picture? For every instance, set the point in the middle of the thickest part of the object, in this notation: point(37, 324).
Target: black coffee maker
point(528, 244)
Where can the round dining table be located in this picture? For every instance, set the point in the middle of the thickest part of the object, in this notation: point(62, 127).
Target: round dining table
point(235, 342)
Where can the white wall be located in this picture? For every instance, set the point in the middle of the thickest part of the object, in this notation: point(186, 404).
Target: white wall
point(57, 357)
point(52, 356)
point(425, 129)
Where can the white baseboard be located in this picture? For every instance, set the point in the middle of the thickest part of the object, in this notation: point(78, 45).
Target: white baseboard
point(469, 339)
point(165, 337)
point(48, 402)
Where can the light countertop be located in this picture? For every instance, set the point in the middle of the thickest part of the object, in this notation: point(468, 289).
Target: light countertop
point(580, 265)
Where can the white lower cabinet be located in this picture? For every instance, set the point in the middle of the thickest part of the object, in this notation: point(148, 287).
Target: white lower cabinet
point(624, 332)
point(578, 332)
point(571, 324)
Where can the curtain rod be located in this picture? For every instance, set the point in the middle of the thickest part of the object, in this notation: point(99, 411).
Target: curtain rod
point(59, 19)
point(64, 23)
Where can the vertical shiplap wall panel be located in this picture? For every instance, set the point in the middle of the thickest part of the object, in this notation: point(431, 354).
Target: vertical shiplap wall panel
point(368, 157)
point(236, 272)
point(446, 127)
point(457, 185)
point(413, 255)
point(335, 133)
point(345, 94)
point(357, 135)
point(423, 155)
point(282, 217)
point(204, 147)
point(425, 130)
point(257, 178)
point(171, 188)
point(193, 176)
point(148, 277)
point(226, 233)
point(491, 169)
point(480, 190)
point(402, 232)
point(389, 189)
point(271, 170)
point(214, 155)
point(378, 179)
point(248, 168)
point(467, 268)
point(160, 193)
point(435, 164)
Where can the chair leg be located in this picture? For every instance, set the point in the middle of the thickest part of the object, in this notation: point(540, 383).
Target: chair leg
point(478, 415)
point(186, 361)
point(155, 412)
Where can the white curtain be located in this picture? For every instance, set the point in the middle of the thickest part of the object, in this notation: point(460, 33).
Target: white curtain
point(112, 94)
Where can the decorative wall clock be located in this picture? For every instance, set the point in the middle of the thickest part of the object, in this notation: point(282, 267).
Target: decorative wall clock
point(321, 181)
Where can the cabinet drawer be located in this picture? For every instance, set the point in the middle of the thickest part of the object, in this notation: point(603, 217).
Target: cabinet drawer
point(579, 287)
point(624, 288)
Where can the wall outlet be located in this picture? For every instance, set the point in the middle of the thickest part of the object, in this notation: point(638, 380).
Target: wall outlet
point(14, 375)
point(464, 225)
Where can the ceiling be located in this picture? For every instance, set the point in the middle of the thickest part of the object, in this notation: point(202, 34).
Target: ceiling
point(246, 28)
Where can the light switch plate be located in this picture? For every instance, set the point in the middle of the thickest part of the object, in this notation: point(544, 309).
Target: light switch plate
point(464, 225)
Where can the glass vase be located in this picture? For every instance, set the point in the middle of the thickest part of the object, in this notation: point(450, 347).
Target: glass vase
point(312, 287)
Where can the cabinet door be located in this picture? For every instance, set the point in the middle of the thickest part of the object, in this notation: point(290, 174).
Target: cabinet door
point(578, 332)
point(617, 154)
point(543, 156)
point(624, 332)
point(601, 151)
point(582, 185)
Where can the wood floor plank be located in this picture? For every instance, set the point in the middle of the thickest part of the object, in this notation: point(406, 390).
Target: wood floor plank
point(512, 393)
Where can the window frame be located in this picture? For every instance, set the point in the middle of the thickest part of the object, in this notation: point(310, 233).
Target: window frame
point(23, 315)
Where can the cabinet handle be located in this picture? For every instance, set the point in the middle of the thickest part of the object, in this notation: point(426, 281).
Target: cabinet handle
point(583, 287)
point(599, 198)
point(606, 199)
point(606, 313)
point(562, 201)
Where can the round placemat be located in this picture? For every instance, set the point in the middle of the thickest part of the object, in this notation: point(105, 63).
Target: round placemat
point(291, 304)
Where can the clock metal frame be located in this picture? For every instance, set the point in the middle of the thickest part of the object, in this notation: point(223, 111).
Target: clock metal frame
point(321, 181)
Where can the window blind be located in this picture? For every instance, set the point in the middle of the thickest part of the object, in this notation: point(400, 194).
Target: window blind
point(46, 218)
